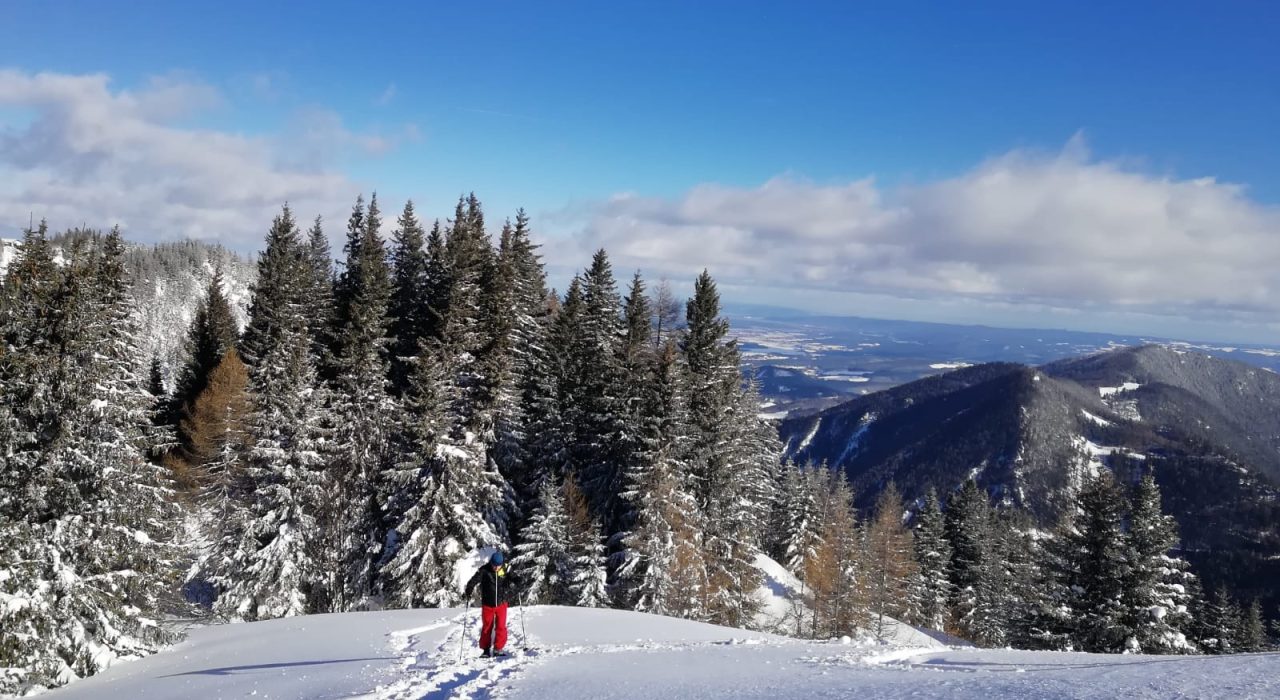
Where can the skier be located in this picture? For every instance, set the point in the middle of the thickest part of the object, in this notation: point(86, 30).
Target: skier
point(494, 585)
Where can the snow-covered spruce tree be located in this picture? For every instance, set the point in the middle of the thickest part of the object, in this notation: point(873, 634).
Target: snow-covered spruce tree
point(460, 502)
point(967, 523)
point(28, 364)
point(1008, 586)
point(1155, 600)
point(1219, 622)
point(436, 284)
point(889, 565)
point(597, 390)
point(637, 366)
point(502, 380)
point(798, 520)
point(550, 400)
point(409, 307)
point(586, 550)
point(463, 502)
point(350, 517)
point(319, 303)
point(1020, 594)
point(931, 588)
point(664, 530)
point(87, 558)
point(267, 569)
point(1096, 567)
point(728, 476)
point(532, 364)
point(542, 561)
point(1252, 636)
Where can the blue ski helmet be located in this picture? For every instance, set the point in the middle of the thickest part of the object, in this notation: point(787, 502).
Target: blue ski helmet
point(496, 559)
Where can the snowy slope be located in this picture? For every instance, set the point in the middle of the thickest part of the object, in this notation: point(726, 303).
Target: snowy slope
point(582, 653)
point(8, 250)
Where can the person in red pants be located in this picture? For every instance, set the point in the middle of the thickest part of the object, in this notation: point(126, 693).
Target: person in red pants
point(495, 585)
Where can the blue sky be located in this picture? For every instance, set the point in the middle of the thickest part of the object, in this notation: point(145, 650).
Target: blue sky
point(635, 123)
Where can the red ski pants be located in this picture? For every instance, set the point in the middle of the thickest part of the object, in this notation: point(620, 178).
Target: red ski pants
point(493, 630)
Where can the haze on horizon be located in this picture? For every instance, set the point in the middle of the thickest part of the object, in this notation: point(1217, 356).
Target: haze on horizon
point(1054, 165)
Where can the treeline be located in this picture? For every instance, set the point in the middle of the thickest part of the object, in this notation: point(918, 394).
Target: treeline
point(1104, 580)
point(372, 428)
point(376, 422)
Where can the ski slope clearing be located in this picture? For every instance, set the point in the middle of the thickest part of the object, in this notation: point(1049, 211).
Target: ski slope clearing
point(583, 653)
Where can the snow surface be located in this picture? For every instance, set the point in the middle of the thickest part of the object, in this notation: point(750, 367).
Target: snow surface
point(950, 365)
point(1096, 419)
point(586, 653)
point(1106, 391)
point(8, 251)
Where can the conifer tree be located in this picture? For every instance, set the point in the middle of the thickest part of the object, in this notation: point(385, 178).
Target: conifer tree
point(587, 553)
point(155, 380)
point(932, 588)
point(436, 284)
point(832, 574)
point(213, 332)
point(267, 569)
point(500, 377)
point(320, 299)
point(727, 478)
point(461, 504)
point(351, 520)
point(659, 563)
point(799, 518)
point(1252, 636)
point(888, 562)
point(532, 364)
point(1223, 623)
point(218, 431)
point(543, 561)
point(968, 526)
point(597, 391)
point(1155, 594)
point(85, 518)
point(409, 307)
point(163, 430)
point(1097, 567)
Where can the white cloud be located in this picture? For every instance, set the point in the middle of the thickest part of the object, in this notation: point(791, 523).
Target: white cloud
point(80, 151)
point(1059, 230)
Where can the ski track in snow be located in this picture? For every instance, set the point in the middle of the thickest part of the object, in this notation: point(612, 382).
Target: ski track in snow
point(453, 668)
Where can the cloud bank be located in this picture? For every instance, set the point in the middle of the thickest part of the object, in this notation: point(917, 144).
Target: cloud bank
point(74, 150)
point(1052, 229)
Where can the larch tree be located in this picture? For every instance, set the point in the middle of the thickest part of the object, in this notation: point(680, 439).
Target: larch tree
point(888, 562)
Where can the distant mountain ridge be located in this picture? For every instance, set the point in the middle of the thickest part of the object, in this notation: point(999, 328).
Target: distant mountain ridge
point(1208, 428)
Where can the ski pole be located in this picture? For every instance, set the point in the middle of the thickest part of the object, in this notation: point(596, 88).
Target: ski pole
point(524, 634)
point(462, 642)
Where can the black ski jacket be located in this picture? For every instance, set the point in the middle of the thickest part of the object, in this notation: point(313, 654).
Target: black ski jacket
point(494, 589)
